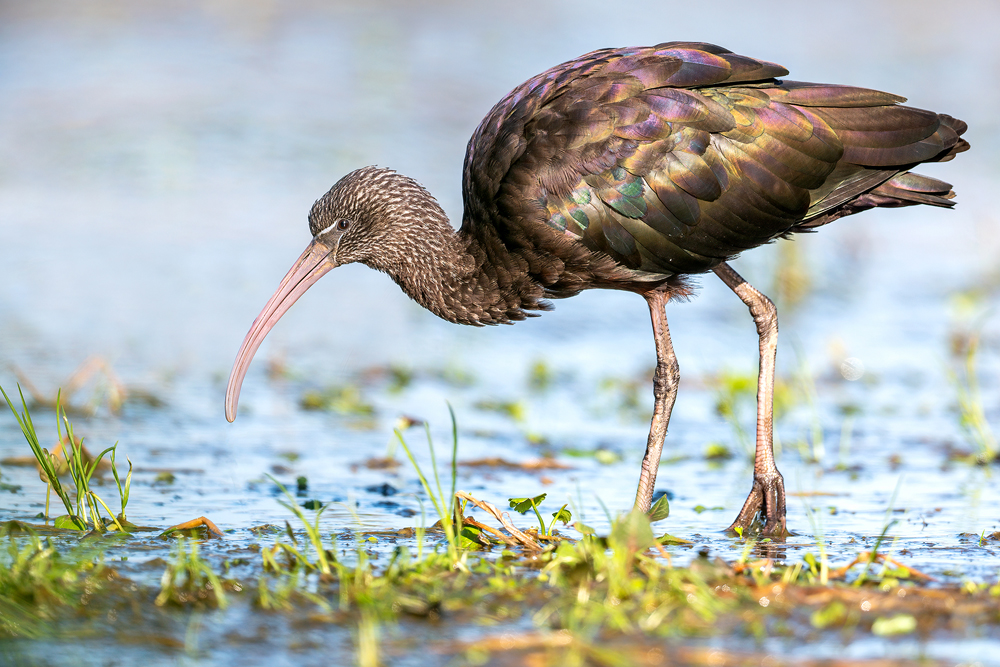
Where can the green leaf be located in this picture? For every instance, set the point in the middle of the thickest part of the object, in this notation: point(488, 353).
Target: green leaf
point(165, 477)
point(833, 613)
point(524, 505)
point(471, 537)
point(14, 527)
point(583, 528)
point(343, 400)
point(667, 538)
point(716, 451)
point(541, 376)
point(660, 509)
point(631, 534)
point(563, 515)
point(516, 410)
point(900, 624)
point(606, 456)
point(811, 562)
point(67, 522)
point(701, 508)
point(128, 525)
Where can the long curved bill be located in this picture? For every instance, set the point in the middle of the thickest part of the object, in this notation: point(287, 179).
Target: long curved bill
point(314, 263)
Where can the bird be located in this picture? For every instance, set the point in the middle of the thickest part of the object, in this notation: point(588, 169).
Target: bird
point(631, 169)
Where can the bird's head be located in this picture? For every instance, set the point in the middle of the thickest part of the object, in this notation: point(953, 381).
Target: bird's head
point(352, 220)
point(373, 216)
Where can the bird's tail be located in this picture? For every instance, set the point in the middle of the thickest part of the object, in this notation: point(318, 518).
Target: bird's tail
point(908, 188)
point(903, 189)
point(959, 127)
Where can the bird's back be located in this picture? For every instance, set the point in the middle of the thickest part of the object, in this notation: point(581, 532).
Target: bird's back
point(671, 159)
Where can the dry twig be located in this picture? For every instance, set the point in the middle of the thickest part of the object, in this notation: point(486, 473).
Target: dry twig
point(522, 538)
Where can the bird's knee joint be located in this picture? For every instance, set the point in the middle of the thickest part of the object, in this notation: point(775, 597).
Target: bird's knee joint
point(765, 315)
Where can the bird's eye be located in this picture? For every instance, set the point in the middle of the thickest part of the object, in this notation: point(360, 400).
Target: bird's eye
point(343, 224)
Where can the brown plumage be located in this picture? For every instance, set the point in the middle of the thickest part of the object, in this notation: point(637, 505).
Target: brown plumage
point(629, 169)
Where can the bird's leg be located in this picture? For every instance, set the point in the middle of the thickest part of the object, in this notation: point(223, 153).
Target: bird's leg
point(768, 493)
point(665, 381)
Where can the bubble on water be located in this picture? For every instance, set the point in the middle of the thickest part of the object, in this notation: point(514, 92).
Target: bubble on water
point(852, 369)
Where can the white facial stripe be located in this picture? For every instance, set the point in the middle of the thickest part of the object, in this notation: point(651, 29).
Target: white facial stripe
point(327, 228)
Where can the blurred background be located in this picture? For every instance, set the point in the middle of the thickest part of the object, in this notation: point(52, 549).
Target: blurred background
point(160, 159)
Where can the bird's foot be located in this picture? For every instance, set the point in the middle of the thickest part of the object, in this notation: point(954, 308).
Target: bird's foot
point(766, 500)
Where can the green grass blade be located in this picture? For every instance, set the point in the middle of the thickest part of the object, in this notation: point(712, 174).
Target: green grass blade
point(122, 493)
point(312, 530)
point(41, 455)
point(439, 502)
point(541, 521)
point(454, 452)
point(110, 513)
point(93, 464)
point(420, 474)
point(437, 477)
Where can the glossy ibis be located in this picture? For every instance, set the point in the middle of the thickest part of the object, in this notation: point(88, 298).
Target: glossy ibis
point(631, 169)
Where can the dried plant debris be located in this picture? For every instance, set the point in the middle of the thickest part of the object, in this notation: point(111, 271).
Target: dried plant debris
point(377, 463)
point(549, 649)
point(58, 455)
point(106, 388)
point(201, 524)
point(517, 537)
point(530, 465)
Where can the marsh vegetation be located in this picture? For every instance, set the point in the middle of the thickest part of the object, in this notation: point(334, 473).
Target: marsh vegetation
point(531, 583)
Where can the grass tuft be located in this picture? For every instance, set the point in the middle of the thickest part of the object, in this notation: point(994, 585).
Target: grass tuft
point(37, 582)
point(972, 416)
point(84, 511)
point(446, 506)
point(189, 579)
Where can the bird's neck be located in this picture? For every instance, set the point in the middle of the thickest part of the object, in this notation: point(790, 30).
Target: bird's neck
point(460, 276)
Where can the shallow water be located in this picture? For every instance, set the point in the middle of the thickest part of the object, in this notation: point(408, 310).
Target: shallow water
point(161, 163)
